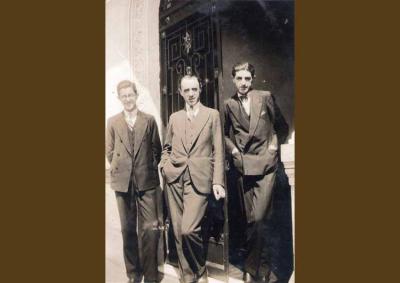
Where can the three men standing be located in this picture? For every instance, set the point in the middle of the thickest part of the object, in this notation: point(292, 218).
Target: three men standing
point(253, 129)
point(133, 149)
point(193, 166)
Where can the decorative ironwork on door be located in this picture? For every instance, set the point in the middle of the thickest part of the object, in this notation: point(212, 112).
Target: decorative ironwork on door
point(188, 46)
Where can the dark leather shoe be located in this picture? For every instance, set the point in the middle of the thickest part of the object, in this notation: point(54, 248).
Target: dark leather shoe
point(248, 278)
point(272, 278)
point(135, 279)
point(203, 278)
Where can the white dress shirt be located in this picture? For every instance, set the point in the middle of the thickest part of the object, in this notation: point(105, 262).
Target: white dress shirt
point(130, 118)
point(192, 112)
point(245, 100)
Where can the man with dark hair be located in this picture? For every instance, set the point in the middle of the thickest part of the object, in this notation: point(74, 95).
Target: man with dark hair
point(133, 149)
point(192, 163)
point(254, 128)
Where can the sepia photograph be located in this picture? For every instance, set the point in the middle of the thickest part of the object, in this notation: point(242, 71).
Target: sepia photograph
point(200, 138)
point(157, 142)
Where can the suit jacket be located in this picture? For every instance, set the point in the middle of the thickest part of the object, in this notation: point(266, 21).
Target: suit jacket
point(205, 157)
point(147, 152)
point(259, 148)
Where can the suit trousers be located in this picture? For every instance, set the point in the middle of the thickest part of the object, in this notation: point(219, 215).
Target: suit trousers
point(140, 232)
point(187, 207)
point(257, 197)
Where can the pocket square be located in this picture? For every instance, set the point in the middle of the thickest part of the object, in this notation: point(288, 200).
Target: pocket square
point(263, 113)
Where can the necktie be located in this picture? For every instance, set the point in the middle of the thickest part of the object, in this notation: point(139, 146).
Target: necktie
point(245, 102)
point(130, 122)
point(191, 115)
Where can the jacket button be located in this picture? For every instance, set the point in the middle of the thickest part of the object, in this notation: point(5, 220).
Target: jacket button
point(117, 154)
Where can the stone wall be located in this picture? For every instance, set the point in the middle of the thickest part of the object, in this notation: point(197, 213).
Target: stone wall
point(132, 52)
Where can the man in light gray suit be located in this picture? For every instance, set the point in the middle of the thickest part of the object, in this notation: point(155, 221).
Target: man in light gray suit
point(192, 163)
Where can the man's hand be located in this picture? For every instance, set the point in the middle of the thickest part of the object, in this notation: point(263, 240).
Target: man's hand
point(235, 151)
point(219, 191)
point(273, 145)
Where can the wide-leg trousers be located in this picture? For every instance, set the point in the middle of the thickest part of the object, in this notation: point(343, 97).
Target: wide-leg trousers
point(187, 207)
point(257, 197)
point(140, 232)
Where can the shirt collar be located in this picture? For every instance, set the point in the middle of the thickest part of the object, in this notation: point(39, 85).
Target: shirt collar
point(195, 108)
point(243, 95)
point(130, 115)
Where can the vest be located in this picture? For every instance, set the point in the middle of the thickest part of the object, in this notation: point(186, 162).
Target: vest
point(245, 127)
point(189, 132)
point(131, 137)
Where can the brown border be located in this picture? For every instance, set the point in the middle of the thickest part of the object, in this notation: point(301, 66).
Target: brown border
point(52, 210)
point(345, 144)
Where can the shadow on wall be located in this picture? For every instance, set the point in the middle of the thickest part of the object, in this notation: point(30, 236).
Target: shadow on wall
point(262, 33)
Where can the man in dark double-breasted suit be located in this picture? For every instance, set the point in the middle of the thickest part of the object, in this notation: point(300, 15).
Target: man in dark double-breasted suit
point(253, 128)
point(193, 166)
point(133, 149)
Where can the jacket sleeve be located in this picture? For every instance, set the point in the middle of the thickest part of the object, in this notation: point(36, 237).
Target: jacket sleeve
point(218, 151)
point(280, 126)
point(166, 151)
point(227, 127)
point(110, 141)
point(155, 141)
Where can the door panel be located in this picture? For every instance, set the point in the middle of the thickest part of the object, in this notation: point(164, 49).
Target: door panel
point(188, 44)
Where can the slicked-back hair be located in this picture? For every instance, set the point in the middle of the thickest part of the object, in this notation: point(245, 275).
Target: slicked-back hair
point(188, 77)
point(126, 84)
point(246, 66)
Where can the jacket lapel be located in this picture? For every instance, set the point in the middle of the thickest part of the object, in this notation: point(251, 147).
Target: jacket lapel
point(233, 106)
point(199, 123)
point(140, 129)
point(122, 130)
point(255, 110)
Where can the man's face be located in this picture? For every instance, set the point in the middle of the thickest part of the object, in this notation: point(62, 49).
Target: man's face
point(128, 98)
point(190, 91)
point(242, 81)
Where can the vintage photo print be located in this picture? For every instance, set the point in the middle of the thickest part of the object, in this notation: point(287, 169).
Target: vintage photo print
point(199, 141)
